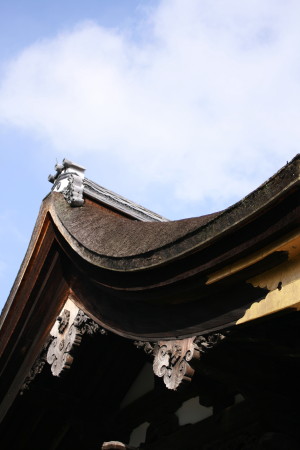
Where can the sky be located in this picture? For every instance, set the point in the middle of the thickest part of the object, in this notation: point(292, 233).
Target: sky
point(182, 106)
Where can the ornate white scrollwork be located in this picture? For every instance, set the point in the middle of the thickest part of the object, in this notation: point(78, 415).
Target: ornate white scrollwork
point(69, 179)
point(73, 192)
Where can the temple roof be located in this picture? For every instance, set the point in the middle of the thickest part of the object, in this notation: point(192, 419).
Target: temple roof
point(162, 278)
point(137, 256)
point(142, 277)
point(112, 241)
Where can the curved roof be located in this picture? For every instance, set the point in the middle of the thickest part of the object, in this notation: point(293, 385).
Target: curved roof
point(114, 242)
point(150, 280)
point(160, 278)
point(116, 237)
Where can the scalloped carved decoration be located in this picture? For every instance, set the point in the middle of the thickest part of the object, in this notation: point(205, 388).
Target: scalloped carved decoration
point(171, 358)
point(171, 361)
point(59, 354)
point(70, 326)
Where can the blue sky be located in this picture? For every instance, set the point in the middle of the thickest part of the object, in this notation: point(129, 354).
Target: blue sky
point(182, 106)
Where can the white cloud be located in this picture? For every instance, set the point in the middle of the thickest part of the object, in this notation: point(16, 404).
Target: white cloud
point(206, 101)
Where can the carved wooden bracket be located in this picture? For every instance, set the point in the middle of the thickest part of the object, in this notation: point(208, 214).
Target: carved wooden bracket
point(65, 337)
point(171, 361)
point(37, 366)
point(171, 358)
point(68, 337)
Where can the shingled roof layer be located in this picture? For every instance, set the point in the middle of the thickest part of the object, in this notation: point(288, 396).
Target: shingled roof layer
point(112, 241)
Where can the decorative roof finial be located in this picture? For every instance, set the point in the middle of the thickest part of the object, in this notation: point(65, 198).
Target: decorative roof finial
point(69, 180)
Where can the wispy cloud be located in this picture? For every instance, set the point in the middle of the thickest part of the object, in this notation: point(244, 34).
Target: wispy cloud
point(206, 100)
